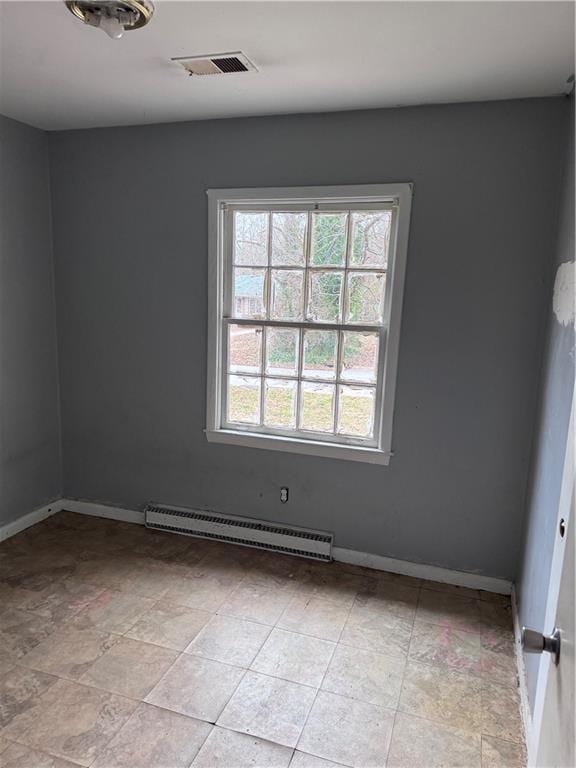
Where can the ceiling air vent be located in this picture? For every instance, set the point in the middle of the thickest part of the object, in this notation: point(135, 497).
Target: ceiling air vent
point(216, 64)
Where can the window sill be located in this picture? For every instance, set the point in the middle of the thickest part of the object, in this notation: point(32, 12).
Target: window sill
point(303, 447)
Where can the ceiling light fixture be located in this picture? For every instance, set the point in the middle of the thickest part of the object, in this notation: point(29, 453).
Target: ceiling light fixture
point(112, 16)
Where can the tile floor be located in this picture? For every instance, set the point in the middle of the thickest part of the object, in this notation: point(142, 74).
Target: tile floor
point(126, 648)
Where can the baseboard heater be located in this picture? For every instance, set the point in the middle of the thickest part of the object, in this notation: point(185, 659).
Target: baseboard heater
point(290, 540)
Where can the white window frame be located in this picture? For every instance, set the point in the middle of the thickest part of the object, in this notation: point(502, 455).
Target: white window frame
point(398, 197)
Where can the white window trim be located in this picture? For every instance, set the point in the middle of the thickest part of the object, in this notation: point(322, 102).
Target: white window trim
point(399, 195)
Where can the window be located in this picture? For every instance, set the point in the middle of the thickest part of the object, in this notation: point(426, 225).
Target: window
point(304, 317)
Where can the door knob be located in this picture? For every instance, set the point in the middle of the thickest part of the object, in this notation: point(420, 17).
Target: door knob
point(536, 642)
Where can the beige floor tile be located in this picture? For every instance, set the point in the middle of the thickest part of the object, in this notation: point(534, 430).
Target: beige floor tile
point(357, 570)
point(449, 610)
point(150, 578)
point(277, 572)
point(229, 566)
point(417, 743)
point(233, 641)
point(74, 583)
point(365, 675)
point(229, 560)
point(113, 612)
point(170, 625)
point(499, 667)
point(162, 545)
point(443, 695)
point(372, 573)
point(7, 661)
point(391, 597)
point(154, 738)
point(38, 569)
point(62, 600)
point(501, 712)
point(196, 687)
point(493, 597)
point(205, 592)
point(19, 692)
point(227, 749)
point(197, 550)
point(106, 569)
point(21, 631)
point(303, 760)
point(328, 582)
point(452, 589)
point(19, 756)
point(14, 597)
point(444, 646)
point(498, 639)
point(498, 657)
point(130, 668)
point(78, 521)
point(74, 722)
point(382, 632)
point(255, 603)
point(497, 753)
point(347, 731)
point(281, 584)
point(269, 708)
point(397, 578)
point(299, 658)
point(312, 616)
point(69, 652)
point(495, 615)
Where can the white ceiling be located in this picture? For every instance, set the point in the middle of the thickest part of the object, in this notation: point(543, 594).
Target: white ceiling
point(57, 73)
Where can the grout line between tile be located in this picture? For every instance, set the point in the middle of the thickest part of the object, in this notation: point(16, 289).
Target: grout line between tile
point(326, 671)
point(397, 708)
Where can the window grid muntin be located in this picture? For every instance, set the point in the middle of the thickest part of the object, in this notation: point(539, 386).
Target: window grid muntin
point(308, 269)
point(340, 327)
point(299, 377)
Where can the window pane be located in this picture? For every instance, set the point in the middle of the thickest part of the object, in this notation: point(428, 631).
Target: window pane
point(248, 298)
point(244, 399)
point(288, 234)
point(356, 411)
point(324, 296)
point(360, 357)
point(282, 351)
point(280, 403)
point(287, 294)
point(365, 297)
point(328, 239)
point(317, 409)
point(244, 349)
point(251, 238)
point(320, 354)
point(370, 238)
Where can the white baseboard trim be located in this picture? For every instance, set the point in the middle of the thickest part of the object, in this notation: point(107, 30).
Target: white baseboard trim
point(378, 562)
point(525, 711)
point(422, 571)
point(103, 510)
point(36, 516)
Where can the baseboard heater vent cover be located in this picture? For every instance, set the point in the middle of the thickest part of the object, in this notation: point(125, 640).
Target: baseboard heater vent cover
point(241, 530)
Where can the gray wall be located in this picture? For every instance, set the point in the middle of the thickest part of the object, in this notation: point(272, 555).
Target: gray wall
point(556, 387)
point(130, 247)
point(30, 466)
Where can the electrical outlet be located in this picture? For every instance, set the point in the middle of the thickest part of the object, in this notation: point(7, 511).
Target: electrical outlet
point(284, 495)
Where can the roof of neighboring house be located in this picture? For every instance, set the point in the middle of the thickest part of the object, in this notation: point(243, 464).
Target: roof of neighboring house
point(249, 285)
